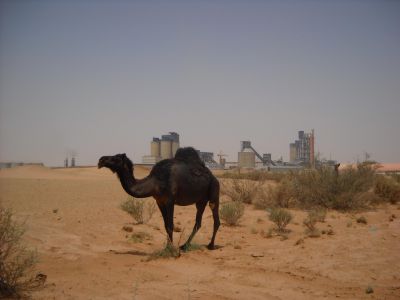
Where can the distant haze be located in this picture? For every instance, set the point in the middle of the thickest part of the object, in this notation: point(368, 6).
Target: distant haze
point(104, 77)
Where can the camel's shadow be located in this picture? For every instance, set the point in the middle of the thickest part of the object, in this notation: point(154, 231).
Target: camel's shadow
point(142, 253)
point(130, 252)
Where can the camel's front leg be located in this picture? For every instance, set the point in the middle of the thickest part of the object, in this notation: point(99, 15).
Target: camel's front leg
point(167, 211)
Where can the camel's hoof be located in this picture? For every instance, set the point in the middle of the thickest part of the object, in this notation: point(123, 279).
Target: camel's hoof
point(211, 247)
point(184, 247)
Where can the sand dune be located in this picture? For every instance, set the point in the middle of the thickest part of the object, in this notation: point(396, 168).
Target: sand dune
point(74, 220)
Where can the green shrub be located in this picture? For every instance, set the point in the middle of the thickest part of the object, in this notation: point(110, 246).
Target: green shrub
point(324, 188)
point(241, 190)
point(281, 217)
point(310, 223)
point(231, 212)
point(388, 189)
point(140, 209)
point(16, 261)
point(273, 196)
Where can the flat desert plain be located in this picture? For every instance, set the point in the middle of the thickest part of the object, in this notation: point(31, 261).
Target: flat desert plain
point(74, 220)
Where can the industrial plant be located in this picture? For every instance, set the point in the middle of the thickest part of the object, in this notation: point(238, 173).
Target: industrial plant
point(301, 154)
point(163, 148)
point(247, 156)
point(167, 146)
point(302, 150)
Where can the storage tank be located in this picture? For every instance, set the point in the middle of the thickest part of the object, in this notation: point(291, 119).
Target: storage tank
point(155, 147)
point(247, 158)
point(166, 149)
point(292, 152)
point(175, 146)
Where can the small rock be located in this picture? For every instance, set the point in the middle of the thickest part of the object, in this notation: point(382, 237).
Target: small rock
point(177, 229)
point(299, 242)
point(330, 232)
point(361, 220)
point(127, 228)
point(369, 290)
point(40, 278)
point(55, 211)
point(257, 254)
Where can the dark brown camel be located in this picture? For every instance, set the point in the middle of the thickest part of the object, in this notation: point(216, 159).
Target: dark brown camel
point(182, 180)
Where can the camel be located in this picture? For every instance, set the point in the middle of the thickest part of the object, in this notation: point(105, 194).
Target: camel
point(182, 180)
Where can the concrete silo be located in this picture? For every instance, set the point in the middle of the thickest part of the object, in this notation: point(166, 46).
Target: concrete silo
point(155, 147)
point(166, 149)
point(175, 147)
point(247, 158)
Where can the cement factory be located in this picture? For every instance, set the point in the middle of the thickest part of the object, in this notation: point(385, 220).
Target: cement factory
point(163, 148)
point(301, 154)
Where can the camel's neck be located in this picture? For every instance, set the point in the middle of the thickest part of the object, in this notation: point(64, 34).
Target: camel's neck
point(141, 188)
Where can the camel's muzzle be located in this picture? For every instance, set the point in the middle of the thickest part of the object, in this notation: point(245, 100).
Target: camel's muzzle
point(101, 162)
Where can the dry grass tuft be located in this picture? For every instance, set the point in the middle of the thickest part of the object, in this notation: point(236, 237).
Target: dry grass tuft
point(139, 237)
point(140, 209)
point(167, 252)
point(281, 217)
point(16, 261)
point(388, 189)
point(231, 212)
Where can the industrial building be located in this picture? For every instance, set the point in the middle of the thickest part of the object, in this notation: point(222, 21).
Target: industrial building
point(166, 147)
point(7, 165)
point(163, 148)
point(247, 156)
point(302, 150)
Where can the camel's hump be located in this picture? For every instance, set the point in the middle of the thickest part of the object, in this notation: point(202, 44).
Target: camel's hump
point(188, 154)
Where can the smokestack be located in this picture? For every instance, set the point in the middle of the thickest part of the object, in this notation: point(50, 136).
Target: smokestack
point(312, 156)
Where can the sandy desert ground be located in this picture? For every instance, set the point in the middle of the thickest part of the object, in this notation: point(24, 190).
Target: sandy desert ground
point(74, 246)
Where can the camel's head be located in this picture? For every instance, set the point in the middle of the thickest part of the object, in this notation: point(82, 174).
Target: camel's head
point(116, 163)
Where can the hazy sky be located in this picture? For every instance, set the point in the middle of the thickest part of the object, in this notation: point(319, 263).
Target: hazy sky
point(104, 77)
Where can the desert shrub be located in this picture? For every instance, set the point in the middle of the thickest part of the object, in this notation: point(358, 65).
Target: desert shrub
point(16, 261)
point(310, 223)
point(241, 190)
point(395, 177)
point(388, 189)
point(140, 209)
point(256, 175)
point(324, 188)
point(319, 214)
point(281, 217)
point(231, 212)
point(273, 196)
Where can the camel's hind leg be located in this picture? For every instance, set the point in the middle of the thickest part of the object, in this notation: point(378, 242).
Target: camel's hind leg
point(199, 215)
point(214, 205)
